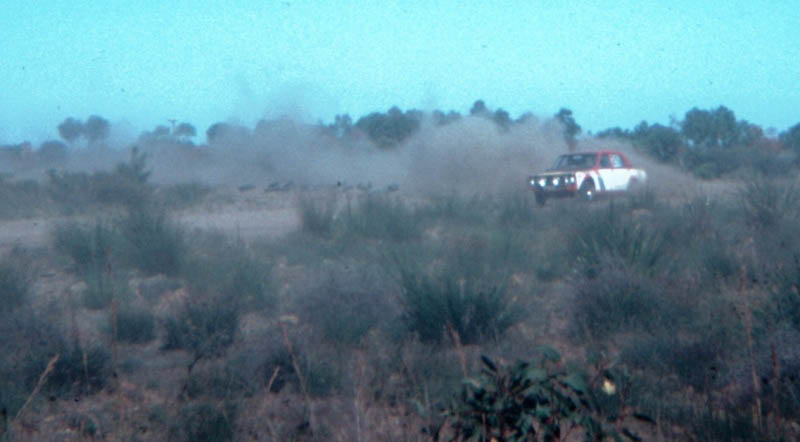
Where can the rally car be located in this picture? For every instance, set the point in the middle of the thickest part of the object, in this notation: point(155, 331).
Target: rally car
point(586, 175)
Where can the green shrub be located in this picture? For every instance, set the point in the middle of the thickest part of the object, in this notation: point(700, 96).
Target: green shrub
point(381, 217)
point(435, 308)
point(152, 242)
point(78, 370)
point(182, 195)
point(317, 215)
point(347, 301)
point(618, 299)
point(15, 283)
point(70, 191)
point(135, 327)
point(766, 202)
point(517, 209)
point(89, 248)
point(101, 288)
point(612, 232)
point(456, 209)
point(205, 422)
point(230, 268)
point(533, 401)
point(205, 327)
point(21, 198)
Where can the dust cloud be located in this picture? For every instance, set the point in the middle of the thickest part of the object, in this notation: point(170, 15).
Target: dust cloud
point(472, 155)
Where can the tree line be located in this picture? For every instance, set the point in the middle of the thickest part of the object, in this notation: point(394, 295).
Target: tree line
point(707, 142)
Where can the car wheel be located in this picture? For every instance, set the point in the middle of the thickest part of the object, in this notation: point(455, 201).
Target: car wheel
point(586, 192)
point(541, 199)
point(633, 185)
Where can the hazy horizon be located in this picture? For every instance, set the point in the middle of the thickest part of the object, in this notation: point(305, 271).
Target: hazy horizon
point(203, 62)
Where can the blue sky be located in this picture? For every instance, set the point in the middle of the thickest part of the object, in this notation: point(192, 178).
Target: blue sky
point(144, 62)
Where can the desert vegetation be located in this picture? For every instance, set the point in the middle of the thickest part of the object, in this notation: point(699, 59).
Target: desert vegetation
point(421, 294)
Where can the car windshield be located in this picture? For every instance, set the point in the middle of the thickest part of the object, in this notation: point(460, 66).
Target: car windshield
point(576, 161)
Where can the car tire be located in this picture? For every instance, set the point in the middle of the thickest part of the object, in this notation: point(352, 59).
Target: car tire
point(587, 191)
point(634, 185)
point(541, 199)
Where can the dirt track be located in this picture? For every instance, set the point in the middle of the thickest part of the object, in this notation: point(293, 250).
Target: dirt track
point(247, 223)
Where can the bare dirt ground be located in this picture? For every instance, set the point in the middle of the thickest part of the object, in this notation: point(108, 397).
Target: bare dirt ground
point(248, 215)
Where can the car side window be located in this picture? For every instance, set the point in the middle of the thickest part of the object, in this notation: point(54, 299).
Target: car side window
point(604, 161)
point(616, 160)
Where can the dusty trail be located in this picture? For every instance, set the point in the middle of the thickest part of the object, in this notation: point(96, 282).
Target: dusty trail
point(246, 223)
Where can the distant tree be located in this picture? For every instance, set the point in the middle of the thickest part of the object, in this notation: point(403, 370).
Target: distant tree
point(750, 135)
point(710, 128)
point(389, 129)
point(96, 129)
point(662, 142)
point(479, 109)
point(524, 118)
point(53, 151)
point(160, 131)
point(441, 119)
point(226, 132)
point(342, 125)
point(502, 119)
point(185, 130)
point(571, 128)
point(790, 138)
point(614, 132)
point(70, 130)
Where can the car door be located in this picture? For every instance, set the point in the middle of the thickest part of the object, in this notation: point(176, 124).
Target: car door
point(606, 173)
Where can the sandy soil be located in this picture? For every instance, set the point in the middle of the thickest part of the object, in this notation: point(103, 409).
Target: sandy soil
point(246, 218)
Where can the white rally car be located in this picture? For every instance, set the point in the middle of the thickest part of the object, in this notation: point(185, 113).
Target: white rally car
point(586, 174)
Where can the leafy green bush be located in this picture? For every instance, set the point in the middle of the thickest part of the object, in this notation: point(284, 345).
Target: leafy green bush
point(434, 309)
point(533, 401)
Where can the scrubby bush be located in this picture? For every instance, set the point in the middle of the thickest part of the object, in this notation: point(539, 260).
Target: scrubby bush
point(613, 232)
point(21, 198)
point(101, 288)
point(317, 215)
point(765, 202)
point(618, 298)
point(182, 195)
point(205, 422)
point(152, 242)
point(437, 308)
point(381, 217)
point(89, 247)
point(135, 327)
point(230, 269)
point(206, 327)
point(78, 369)
point(15, 283)
point(344, 303)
